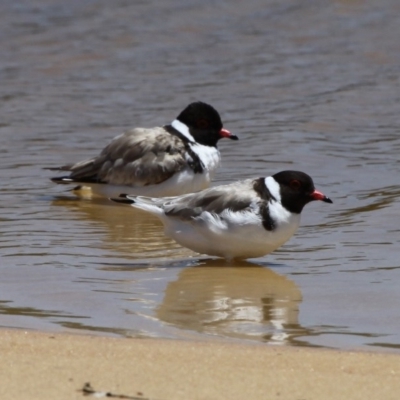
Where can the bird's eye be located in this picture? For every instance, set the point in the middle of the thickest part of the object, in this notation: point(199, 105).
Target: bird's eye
point(295, 184)
point(202, 124)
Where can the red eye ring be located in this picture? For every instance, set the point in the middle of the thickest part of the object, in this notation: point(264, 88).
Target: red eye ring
point(295, 184)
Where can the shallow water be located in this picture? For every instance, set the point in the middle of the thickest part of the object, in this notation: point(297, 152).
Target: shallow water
point(311, 85)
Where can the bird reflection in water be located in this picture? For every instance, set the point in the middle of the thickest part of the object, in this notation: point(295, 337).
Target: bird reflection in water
point(129, 232)
point(243, 300)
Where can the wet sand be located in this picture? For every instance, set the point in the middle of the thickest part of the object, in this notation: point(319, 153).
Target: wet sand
point(56, 366)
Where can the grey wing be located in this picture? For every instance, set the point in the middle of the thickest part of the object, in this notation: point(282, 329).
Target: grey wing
point(138, 157)
point(237, 197)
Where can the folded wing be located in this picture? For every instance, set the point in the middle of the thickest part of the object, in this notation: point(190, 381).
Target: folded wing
point(139, 157)
point(235, 197)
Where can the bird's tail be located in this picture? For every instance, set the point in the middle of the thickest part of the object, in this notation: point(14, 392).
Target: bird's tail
point(150, 204)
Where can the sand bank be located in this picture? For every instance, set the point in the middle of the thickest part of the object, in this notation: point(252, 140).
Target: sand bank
point(56, 366)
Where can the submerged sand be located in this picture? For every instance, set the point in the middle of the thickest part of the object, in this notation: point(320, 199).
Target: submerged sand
point(44, 366)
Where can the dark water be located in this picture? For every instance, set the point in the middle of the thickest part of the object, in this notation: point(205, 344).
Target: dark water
point(310, 85)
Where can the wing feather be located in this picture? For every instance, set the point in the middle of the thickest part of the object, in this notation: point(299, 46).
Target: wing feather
point(139, 157)
point(236, 197)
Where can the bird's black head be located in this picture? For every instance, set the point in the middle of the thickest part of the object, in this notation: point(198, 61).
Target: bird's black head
point(204, 123)
point(297, 189)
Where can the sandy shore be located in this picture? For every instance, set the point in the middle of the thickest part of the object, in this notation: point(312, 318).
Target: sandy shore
point(56, 366)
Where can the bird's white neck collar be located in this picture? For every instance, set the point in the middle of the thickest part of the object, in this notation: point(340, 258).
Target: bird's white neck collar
point(182, 128)
point(273, 187)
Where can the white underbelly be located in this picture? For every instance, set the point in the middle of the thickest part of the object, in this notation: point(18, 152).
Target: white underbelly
point(249, 241)
point(184, 182)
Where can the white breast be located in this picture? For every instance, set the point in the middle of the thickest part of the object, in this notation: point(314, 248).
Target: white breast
point(209, 156)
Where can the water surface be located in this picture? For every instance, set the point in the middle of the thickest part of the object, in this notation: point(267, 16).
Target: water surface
point(311, 85)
